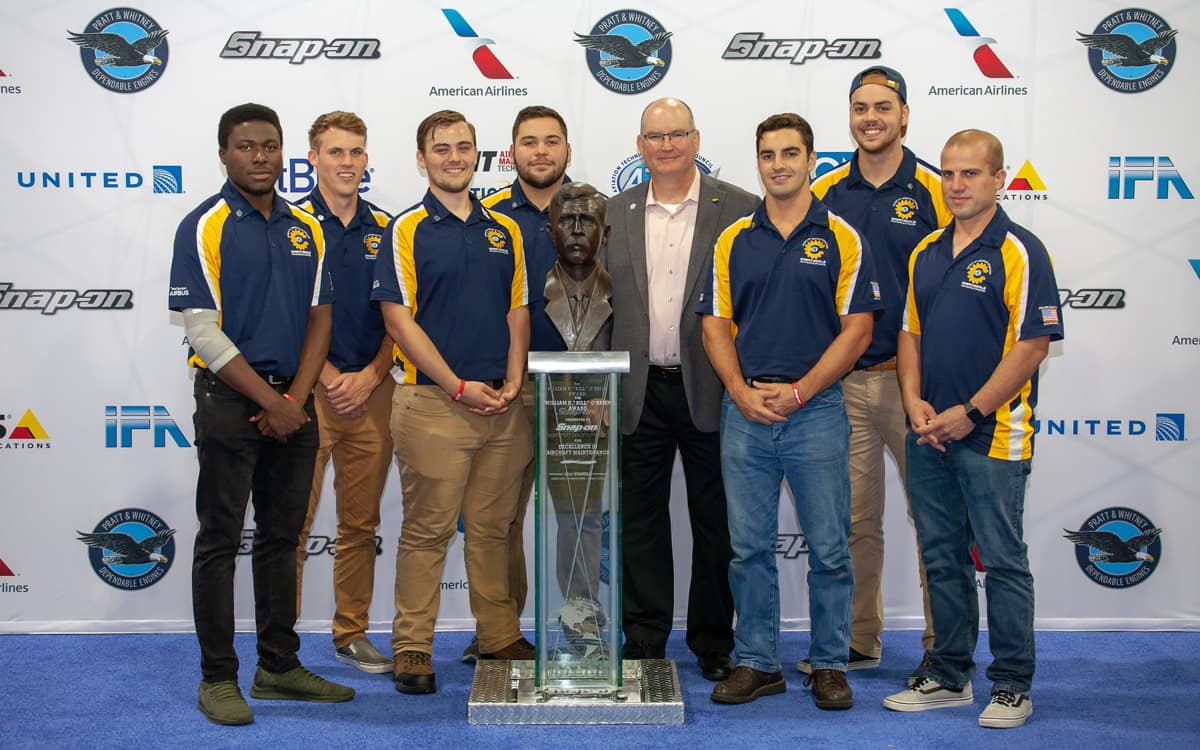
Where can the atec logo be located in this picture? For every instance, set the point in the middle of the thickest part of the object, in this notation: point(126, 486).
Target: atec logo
point(985, 57)
point(480, 47)
point(632, 171)
point(1125, 172)
point(122, 422)
point(829, 160)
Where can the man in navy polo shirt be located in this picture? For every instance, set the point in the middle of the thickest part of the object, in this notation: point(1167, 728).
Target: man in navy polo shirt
point(893, 199)
point(451, 282)
point(789, 307)
point(981, 312)
point(248, 277)
point(540, 152)
point(354, 390)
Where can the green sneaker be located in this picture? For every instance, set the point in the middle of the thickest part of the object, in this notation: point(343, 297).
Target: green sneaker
point(222, 703)
point(298, 685)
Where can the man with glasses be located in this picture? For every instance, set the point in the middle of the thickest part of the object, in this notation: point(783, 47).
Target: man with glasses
point(663, 232)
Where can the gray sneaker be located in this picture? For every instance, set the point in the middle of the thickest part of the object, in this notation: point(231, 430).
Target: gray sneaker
point(1006, 710)
point(222, 703)
point(298, 685)
point(361, 653)
point(927, 694)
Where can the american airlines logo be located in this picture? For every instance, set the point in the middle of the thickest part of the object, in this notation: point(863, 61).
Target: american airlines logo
point(481, 52)
point(985, 57)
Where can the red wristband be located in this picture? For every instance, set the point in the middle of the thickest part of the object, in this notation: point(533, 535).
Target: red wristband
point(289, 397)
point(462, 386)
point(796, 393)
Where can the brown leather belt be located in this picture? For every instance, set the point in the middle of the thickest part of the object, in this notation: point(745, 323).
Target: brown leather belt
point(887, 364)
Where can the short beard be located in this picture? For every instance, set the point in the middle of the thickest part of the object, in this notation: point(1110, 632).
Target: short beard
point(540, 183)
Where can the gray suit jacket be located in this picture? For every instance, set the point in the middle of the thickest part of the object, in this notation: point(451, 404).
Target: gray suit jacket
point(721, 203)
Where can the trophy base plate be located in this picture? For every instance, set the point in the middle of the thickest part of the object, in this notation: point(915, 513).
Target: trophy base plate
point(503, 693)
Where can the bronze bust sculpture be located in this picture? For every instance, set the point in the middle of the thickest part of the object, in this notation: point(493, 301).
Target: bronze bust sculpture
point(578, 289)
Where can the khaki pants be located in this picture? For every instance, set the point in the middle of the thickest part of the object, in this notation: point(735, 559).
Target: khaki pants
point(518, 581)
point(362, 451)
point(876, 416)
point(453, 461)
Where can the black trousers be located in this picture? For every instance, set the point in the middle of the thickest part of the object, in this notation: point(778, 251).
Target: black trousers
point(648, 457)
point(236, 461)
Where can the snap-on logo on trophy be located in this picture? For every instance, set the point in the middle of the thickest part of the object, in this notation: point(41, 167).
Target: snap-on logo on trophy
point(123, 49)
point(628, 51)
point(1131, 50)
point(130, 548)
point(1117, 547)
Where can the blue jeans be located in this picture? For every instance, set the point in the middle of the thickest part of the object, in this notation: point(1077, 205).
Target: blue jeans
point(960, 498)
point(811, 449)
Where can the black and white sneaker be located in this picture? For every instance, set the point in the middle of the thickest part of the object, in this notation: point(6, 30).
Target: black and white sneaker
point(1006, 710)
point(927, 693)
point(857, 660)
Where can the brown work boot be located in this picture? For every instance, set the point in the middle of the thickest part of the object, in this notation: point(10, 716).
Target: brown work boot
point(746, 684)
point(830, 689)
point(413, 673)
point(518, 650)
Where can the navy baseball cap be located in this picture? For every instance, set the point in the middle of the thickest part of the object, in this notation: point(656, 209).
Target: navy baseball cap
point(891, 78)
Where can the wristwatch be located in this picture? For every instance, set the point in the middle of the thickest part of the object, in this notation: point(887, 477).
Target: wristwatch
point(973, 413)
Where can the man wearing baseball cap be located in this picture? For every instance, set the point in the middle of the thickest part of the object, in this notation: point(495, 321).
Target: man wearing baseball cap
point(893, 199)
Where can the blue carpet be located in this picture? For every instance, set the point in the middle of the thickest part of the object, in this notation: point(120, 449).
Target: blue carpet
point(1127, 690)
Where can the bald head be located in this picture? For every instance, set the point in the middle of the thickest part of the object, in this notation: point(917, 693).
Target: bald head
point(993, 150)
point(668, 105)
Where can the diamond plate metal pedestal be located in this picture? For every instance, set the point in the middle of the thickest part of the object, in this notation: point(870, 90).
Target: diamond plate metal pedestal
point(503, 693)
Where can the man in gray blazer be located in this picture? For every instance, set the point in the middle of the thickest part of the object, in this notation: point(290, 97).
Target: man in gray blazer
point(659, 252)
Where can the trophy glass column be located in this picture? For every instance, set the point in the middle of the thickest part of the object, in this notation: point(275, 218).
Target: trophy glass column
point(578, 676)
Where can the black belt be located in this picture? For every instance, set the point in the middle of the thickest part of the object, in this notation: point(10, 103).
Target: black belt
point(671, 371)
point(770, 379)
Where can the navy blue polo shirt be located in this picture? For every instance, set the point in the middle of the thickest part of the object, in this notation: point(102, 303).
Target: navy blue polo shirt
point(350, 253)
point(261, 274)
point(969, 312)
point(540, 257)
point(893, 218)
point(786, 296)
point(460, 279)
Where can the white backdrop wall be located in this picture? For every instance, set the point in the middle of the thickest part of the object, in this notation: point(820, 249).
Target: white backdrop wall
point(95, 396)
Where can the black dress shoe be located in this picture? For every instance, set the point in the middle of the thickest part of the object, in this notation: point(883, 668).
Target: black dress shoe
point(830, 689)
point(746, 684)
point(637, 650)
point(715, 667)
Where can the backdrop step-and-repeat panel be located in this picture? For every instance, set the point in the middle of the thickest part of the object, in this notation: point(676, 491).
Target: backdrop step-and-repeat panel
point(101, 160)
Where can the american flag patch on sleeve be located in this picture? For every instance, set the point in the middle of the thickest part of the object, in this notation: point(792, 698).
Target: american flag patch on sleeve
point(875, 290)
point(1049, 316)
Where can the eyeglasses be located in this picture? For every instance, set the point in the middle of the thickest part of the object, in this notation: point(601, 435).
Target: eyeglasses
point(658, 139)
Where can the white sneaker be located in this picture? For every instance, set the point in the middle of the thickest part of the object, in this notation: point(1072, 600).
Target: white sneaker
point(1006, 710)
point(927, 693)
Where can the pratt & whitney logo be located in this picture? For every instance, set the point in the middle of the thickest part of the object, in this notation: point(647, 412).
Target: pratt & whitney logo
point(1117, 547)
point(1131, 50)
point(628, 51)
point(484, 59)
point(130, 549)
point(123, 49)
point(986, 59)
point(632, 171)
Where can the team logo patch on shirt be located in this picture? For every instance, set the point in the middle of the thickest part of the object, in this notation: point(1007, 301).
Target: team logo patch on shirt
point(977, 276)
point(372, 242)
point(905, 209)
point(1049, 316)
point(497, 240)
point(814, 251)
point(300, 242)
